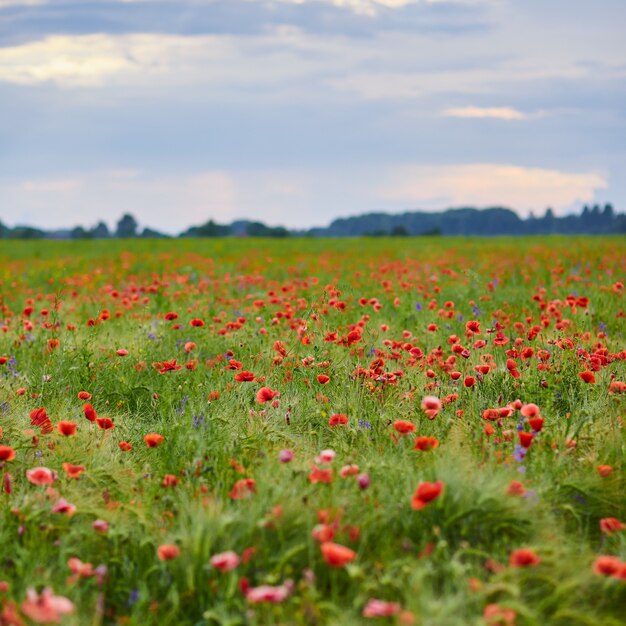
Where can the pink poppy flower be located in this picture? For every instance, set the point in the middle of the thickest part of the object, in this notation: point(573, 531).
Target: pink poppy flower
point(225, 561)
point(100, 526)
point(285, 456)
point(41, 476)
point(63, 506)
point(326, 456)
point(530, 410)
point(431, 405)
point(380, 608)
point(46, 608)
point(267, 593)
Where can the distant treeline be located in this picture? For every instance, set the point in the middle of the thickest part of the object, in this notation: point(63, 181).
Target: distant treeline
point(493, 221)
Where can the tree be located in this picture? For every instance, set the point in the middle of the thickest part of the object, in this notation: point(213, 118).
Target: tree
point(127, 226)
point(149, 233)
point(210, 229)
point(399, 231)
point(26, 232)
point(80, 233)
point(258, 229)
point(100, 231)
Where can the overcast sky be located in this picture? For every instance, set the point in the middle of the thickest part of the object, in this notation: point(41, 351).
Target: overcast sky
point(295, 112)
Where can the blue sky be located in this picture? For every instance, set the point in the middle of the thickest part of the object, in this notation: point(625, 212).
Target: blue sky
point(298, 111)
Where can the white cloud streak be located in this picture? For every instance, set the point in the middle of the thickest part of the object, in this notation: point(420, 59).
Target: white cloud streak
point(499, 113)
point(489, 184)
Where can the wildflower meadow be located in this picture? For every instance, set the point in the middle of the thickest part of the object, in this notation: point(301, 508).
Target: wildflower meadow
point(413, 431)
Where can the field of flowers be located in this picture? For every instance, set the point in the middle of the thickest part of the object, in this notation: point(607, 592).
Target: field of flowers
point(412, 431)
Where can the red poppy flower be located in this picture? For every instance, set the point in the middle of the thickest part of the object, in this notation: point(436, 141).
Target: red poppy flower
point(610, 525)
point(523, 557)
point(403, 427)
point(90, 412)
point(105, 423)
point(6, 453)
point(39, 417)
point(171, 316)
point(170, 480)
point(125, 446)
point(245, 377)
point(604, 470)
point(166, 366)
point(280, 348)
point(496, 615)
point(167, 552)
point(473, 326)
point(153, 440)
point(536, 423)
point(73, 471)
point(337, 419)
point(323, 533)
point(84, 395)
point(265, 394)
point(243, 488)
point(323, 379)
point(516, 488)
point(425, 443)
point(336, 555)
point(198, 323)
point(67, 429)
point(318, 475)
point(121, 352)
point(607, 565)
point(349, 470)
point(525, 439)
point(588, 377)
point(426, 492)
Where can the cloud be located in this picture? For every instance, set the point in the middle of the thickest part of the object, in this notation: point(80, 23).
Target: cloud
point(271, 60)
point(362, 7)
point(67, 60)
point(5, 4)
point(499, 113)
point(489, 184)
point(66, 185)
